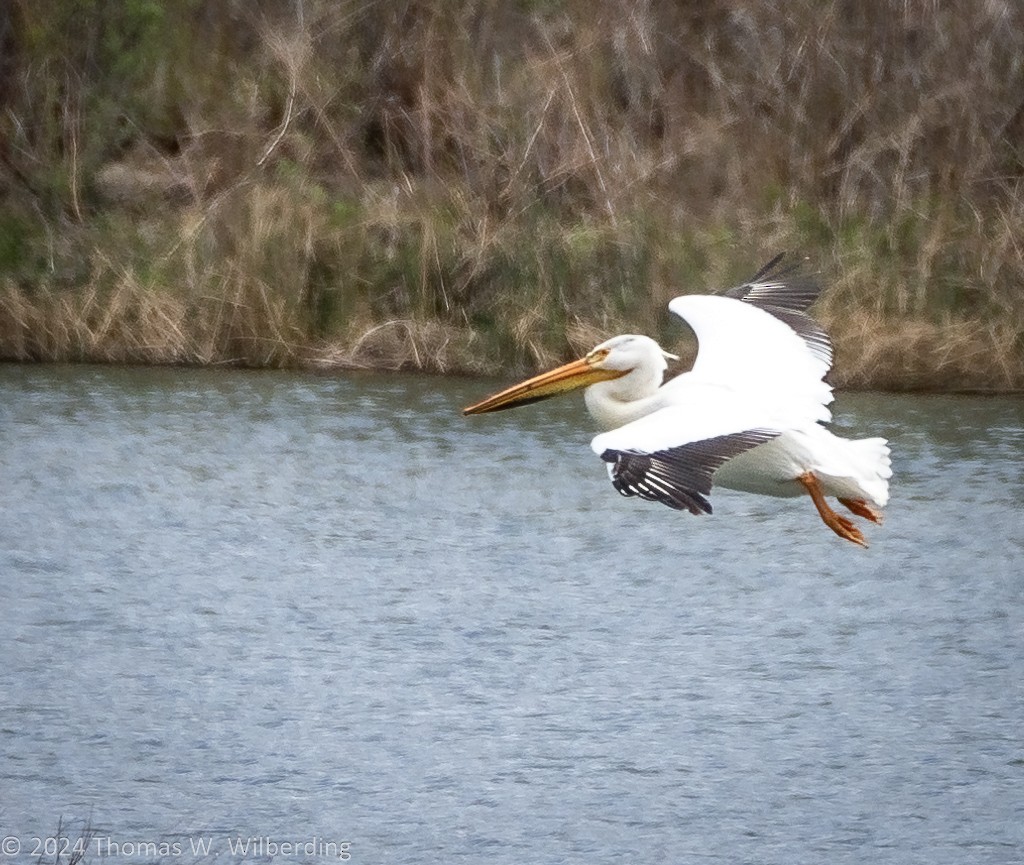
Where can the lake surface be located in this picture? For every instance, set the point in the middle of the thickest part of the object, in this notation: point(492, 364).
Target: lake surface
point(329, 610)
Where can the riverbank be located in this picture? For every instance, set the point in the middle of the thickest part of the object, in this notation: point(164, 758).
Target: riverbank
point(498, 187)
point(134, 325)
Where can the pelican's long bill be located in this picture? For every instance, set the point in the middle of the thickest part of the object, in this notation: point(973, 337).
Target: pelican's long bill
point(572, 376)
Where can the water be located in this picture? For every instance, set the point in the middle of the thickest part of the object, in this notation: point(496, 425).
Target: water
point(329, 610)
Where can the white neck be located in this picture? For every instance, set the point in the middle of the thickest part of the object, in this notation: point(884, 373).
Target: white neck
point(621, 400)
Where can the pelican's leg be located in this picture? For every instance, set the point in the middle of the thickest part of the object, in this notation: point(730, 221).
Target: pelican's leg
point(840, 525)
point(862, 509)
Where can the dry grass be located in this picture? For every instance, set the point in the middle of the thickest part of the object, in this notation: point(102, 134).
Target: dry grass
point(129, 322)
point(475, 185)
point(964, 355)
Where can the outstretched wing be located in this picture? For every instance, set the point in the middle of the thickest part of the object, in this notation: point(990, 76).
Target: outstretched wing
point(679, 477)
point(671, 455)
point(758, 338)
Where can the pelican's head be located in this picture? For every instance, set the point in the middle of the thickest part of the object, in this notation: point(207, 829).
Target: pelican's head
point(632, 352)
point(612, 359)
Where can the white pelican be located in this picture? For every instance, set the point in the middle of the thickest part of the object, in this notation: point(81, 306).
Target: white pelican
point(748, 416)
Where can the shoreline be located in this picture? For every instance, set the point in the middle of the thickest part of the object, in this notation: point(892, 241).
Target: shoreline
point(329, 359)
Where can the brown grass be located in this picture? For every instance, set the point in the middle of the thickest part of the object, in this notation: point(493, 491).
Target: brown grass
point(482, 185)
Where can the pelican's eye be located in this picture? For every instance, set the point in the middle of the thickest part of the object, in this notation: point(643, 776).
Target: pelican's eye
point(597, 356)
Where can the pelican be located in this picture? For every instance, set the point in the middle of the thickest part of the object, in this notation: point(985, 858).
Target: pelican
point(750, 415)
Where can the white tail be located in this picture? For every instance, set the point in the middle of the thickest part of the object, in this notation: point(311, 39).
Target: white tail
point(865, 473)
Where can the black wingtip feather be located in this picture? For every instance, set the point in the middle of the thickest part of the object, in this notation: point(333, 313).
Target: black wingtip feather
point(764, 271)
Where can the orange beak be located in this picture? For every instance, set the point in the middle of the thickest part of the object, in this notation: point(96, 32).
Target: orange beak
point(571, 376)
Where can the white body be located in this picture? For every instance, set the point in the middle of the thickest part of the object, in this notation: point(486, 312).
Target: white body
point(851, 469)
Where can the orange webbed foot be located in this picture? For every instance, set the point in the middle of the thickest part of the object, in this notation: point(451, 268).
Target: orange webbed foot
point(862, 509)
point(839, 524)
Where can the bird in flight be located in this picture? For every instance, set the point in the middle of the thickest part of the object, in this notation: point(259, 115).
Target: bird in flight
point(750, 415)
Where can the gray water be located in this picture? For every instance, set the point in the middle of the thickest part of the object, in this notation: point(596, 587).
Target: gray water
point(329, 610)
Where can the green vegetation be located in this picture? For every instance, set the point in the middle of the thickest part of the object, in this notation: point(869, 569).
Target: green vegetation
point(479, 184)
